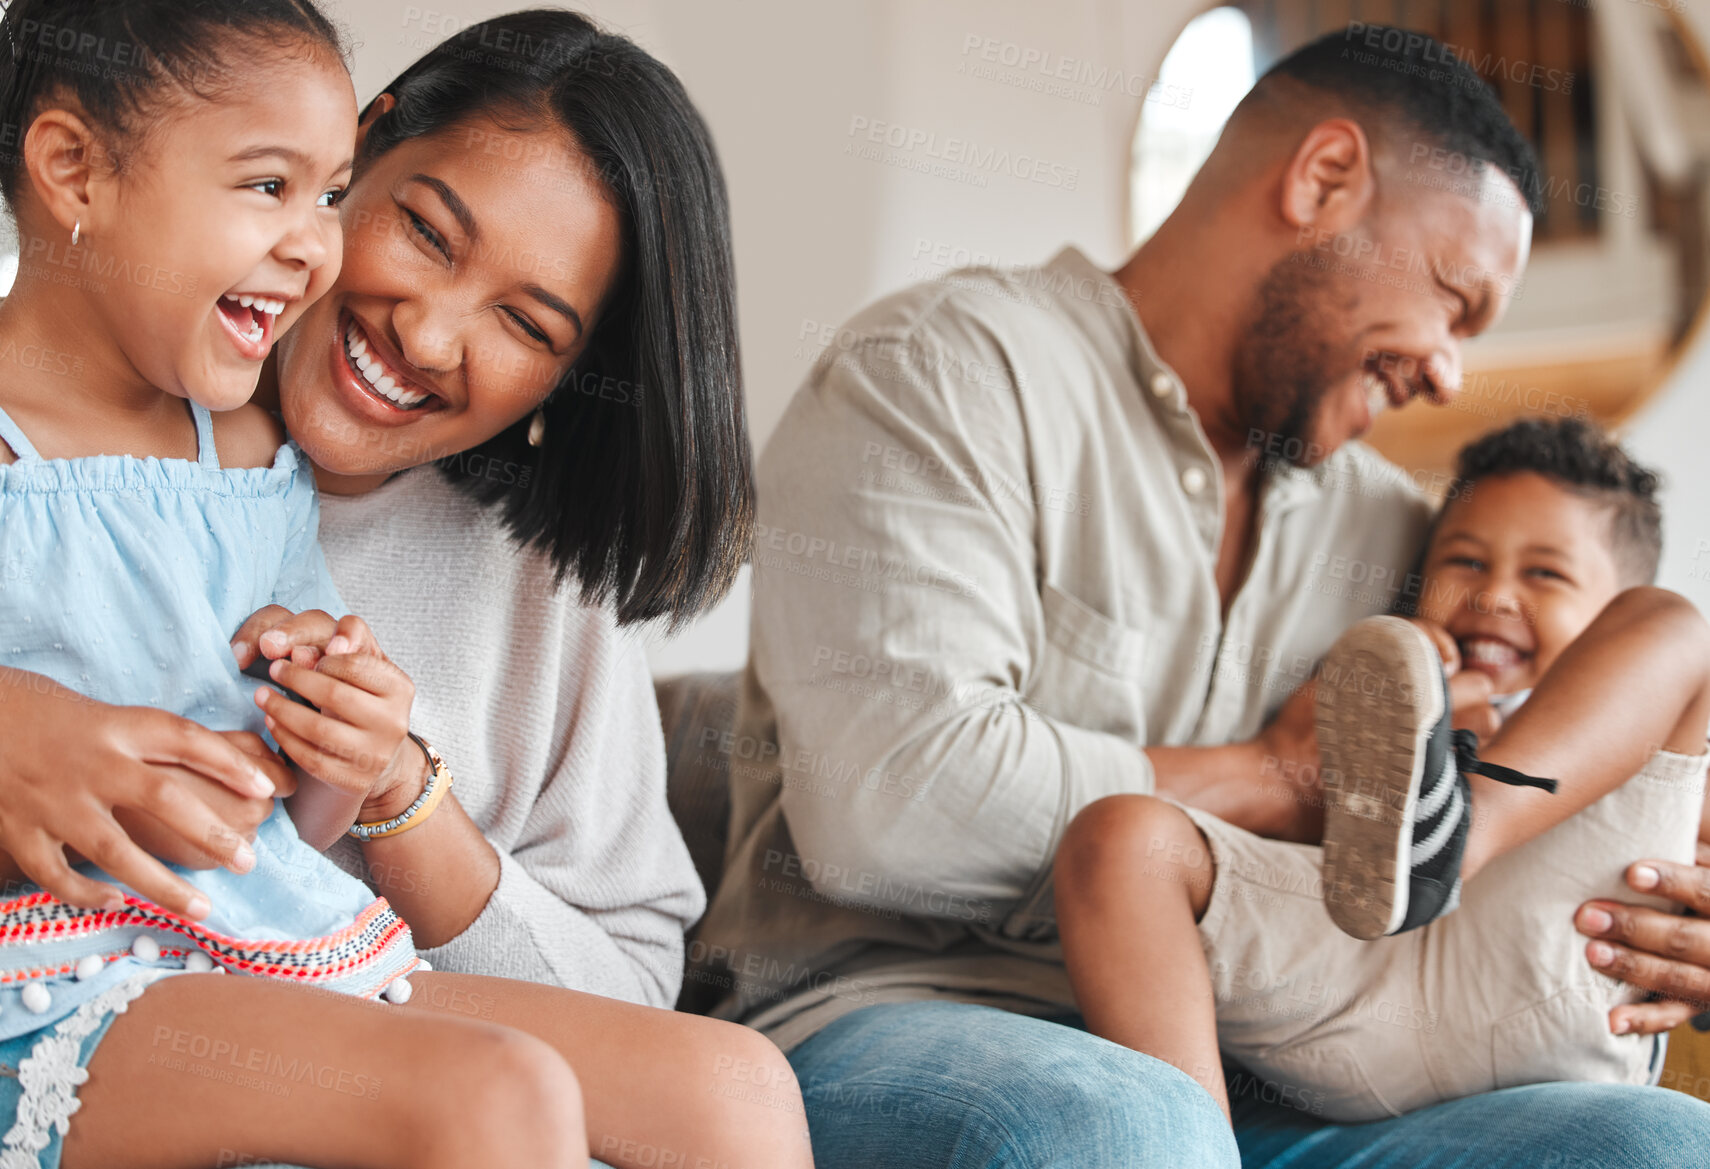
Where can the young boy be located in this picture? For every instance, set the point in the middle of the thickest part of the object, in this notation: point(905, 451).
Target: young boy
point(1183, 934)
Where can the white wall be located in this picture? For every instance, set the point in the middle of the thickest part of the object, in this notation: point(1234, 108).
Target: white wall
point(1670, 434)
point(820, 229)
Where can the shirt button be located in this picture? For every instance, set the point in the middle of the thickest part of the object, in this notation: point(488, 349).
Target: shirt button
point(1193, 480)
point(1161, 385)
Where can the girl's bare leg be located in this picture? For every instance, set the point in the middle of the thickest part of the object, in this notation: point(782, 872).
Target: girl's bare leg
point(1133, 877)
point(1636, 681)
point(660, 1088)
point(207, 1069)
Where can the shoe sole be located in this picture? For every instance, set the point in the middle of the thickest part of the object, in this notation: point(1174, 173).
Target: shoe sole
point(1371, 744)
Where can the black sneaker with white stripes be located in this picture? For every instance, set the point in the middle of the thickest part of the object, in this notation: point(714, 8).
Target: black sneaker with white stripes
point(1397, 803)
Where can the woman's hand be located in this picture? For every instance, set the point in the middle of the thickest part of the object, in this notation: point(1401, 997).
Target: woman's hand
point(76, 774)
point(357, 742)
point(1653, 950)
point(242, 814)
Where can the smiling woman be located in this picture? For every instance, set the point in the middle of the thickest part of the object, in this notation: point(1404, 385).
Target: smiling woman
point(538, 299)
point(419, 230)
point(538, 277)
point(490, 327)
point(521, 396)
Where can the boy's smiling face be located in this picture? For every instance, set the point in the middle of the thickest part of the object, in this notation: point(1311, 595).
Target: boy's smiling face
point(1517, 568)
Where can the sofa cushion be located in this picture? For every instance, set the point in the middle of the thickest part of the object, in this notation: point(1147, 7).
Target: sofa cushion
point(698, 713)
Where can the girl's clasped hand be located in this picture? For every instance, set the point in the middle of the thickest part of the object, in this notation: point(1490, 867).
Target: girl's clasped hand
point(352, 743)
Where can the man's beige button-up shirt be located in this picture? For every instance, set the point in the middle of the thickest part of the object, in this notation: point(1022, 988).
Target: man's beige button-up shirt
point(983, 582)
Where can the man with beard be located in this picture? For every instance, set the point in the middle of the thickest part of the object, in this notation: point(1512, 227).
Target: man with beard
point(1035, 537)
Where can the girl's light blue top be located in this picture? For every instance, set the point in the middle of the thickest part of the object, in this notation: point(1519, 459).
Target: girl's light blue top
point(124, 579)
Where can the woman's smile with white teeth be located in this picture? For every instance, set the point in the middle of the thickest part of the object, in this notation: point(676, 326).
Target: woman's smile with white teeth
point(384, 381)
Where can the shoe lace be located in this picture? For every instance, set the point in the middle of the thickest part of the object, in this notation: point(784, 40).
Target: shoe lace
point(1466, 759)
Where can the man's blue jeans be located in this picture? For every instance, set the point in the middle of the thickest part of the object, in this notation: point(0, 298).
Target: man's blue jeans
point(951, 1086)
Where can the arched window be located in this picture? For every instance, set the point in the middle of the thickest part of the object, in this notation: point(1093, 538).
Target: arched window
point(1211, 65)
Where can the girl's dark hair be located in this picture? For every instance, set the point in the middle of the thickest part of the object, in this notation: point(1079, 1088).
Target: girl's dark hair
point(644, 486)
point(112, 61)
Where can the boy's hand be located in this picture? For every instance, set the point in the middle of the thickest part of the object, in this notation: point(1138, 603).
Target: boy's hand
point(1446, 647)
point(1469, 704)
point(1469, 690)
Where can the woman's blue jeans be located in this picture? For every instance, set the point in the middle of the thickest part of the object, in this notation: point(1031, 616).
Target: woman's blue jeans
point(937, 1085)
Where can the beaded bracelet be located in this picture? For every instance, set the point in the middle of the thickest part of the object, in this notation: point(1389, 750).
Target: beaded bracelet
point(439, 782)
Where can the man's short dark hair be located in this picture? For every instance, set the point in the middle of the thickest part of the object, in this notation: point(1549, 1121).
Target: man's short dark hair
point(1416, 83)
point(1583, 459)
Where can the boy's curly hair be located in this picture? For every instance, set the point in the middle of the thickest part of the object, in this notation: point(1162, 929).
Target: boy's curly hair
point(1585, 460)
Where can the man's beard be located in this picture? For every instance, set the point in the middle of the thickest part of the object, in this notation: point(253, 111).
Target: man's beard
point(1283, 362)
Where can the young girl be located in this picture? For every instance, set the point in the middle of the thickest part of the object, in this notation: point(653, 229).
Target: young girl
point(176, 212)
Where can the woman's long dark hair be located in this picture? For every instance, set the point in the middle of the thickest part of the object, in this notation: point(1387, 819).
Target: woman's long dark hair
point(644, 487)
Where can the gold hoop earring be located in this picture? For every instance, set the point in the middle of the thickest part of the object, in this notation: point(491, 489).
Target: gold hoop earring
point(76, 231)
point(537, 428)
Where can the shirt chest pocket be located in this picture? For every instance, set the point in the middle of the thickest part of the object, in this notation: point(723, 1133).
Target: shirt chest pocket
point(1089, 670)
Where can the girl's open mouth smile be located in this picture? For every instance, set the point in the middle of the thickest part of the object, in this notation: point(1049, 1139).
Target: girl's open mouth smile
point(251, 320)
